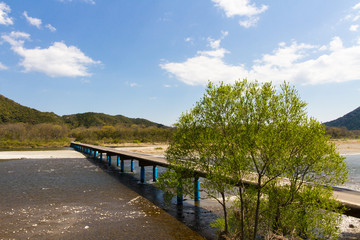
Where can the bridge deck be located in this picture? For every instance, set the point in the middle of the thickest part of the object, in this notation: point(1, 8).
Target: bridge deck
point(349, 198)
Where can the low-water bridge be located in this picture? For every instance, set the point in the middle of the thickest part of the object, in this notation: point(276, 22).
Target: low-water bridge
point(349, 198)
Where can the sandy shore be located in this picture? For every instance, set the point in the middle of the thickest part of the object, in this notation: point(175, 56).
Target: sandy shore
point(348, 147)
point(43, 154)
point(345, 147)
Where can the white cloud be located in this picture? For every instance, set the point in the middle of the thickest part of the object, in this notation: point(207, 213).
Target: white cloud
point(58, 60)
point(50, 27)
point(86, 1)
point(33, 21)
point(354, 28)
point(297, 62)
point(241, 8)
point(250, 22)
point(354, 14)
point(3, 67)
point(133, 84)
point(357, 6)
point(4, 11)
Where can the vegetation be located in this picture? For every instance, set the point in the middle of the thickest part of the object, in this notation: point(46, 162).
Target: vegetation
point(91, 119)
point(21, 126)
point(342, 132)
point(251, 132)
point(350, 121)
point(29, 135)
point(12, 112)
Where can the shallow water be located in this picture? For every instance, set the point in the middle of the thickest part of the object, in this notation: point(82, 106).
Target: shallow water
point(81, 199)
point(353, 165)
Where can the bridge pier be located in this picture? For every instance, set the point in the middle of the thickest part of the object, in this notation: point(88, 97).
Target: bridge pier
point(109, 159)
point(154, 173)
point(101, 156)
point(132, 166)
point(95, 153)
point(118, 161)
point(142, 174)
point(196, 189)
point(179, 197)
point(122, 166)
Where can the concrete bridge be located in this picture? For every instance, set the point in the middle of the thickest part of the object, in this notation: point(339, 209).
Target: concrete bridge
point(348, 198)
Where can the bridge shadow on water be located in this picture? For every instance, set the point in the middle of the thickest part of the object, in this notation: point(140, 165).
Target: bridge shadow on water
point(193, 215)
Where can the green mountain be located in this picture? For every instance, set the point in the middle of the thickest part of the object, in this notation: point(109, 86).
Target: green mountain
point(12, 112)
point(91, 119)
point(351, 121)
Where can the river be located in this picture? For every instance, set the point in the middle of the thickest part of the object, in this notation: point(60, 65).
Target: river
point(78, 198)
point(81, 199)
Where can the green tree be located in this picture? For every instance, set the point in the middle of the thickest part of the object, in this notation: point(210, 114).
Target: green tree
point(260, 139)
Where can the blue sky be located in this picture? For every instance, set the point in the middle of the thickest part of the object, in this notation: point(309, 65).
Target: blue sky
point(152, 58)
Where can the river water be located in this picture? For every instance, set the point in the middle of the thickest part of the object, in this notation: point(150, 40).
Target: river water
point(353, 165)
point(81, 199)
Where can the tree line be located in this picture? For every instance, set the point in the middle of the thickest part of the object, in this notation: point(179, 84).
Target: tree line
point(58, 135)
point(342, 132)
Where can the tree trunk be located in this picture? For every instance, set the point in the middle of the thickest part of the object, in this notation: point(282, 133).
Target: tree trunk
point(226, 230)
point(241, 213)
point(257, 208)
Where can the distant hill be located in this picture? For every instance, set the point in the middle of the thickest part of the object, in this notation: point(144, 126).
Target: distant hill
point(12, 112)
point(351, 121)
point(91, 119)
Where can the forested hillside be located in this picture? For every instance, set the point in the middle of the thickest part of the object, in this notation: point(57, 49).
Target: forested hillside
point(350, 120)
point(22, 126)
point(347, 126)
point(91, 119)
point(12, 112)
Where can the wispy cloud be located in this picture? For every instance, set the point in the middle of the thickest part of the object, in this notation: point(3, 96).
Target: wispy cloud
point(50, 27)
point(353, 17)
point(354, 28)
point(4, 11)
point(132, 84)
point(58, 60)
point(85, 1)
point(33, 21)
point(37, 22)
point(247, 11)
point(295, 62)
point(3, 67)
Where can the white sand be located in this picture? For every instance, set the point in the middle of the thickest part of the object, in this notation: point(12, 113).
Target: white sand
point(13, 155)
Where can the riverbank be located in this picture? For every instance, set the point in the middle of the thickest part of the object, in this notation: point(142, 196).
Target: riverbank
point(348, 147)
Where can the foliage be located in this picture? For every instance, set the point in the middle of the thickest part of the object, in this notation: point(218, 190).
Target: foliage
point(29, 135)
point(350, 121)
point(342, 132)
point(12, 112)
point(120, 134)
point(91, 119)
point(261, 140)
point(25, 127)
